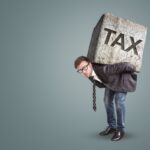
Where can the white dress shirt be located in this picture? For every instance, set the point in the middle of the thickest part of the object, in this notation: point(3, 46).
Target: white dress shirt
point(95, 76)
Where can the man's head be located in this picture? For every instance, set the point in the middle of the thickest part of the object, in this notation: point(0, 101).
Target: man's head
point(83, 66)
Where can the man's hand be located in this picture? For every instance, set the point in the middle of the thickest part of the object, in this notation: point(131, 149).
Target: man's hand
point(135, 70)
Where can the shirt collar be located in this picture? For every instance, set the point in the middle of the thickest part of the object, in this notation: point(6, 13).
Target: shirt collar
point(93, 73)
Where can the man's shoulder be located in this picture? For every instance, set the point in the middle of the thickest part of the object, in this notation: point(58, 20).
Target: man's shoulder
point(98, 64)
point(97, 67)
point(114, 64)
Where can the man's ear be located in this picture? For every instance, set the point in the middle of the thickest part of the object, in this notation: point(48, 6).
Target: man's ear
point(91, 65)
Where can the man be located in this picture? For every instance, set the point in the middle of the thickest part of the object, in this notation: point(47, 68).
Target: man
point(117, 79)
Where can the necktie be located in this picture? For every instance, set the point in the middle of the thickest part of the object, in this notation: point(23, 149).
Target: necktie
point(94, 94)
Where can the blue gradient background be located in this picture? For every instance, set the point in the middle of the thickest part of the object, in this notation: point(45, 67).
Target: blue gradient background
point(44, 103)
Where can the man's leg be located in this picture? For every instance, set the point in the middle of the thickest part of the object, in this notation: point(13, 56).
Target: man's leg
point(109, 105)
point(120, 111)
point(108, 101)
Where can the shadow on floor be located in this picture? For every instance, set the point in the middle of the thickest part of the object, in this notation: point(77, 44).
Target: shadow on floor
point(128, 135)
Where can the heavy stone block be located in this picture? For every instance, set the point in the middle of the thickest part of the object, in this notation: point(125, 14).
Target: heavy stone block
point(115, 40)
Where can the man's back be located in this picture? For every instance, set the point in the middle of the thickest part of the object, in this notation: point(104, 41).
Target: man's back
point(117, 77)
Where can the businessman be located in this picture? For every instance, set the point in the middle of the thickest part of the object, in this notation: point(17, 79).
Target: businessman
point(117, 79)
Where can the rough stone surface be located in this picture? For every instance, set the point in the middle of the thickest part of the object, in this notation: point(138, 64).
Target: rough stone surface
point(115, 40)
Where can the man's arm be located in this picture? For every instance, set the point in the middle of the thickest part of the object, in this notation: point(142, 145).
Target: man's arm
point(117, 68)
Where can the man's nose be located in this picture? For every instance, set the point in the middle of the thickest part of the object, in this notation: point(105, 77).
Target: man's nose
point(84, 72)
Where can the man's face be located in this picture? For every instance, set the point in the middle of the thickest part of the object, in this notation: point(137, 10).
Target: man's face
point(85, 69)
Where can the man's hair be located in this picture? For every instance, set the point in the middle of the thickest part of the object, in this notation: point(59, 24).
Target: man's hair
point(79, 60)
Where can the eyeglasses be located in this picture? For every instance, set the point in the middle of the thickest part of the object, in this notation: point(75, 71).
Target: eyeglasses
point(83, 69)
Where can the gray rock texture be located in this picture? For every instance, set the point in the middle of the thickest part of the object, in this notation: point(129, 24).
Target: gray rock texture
point(115, 40)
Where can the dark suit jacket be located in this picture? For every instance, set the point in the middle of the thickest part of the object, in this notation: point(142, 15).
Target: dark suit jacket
point(117, 77)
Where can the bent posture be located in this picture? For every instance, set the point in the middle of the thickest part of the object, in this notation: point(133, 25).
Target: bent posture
point(117, 79)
